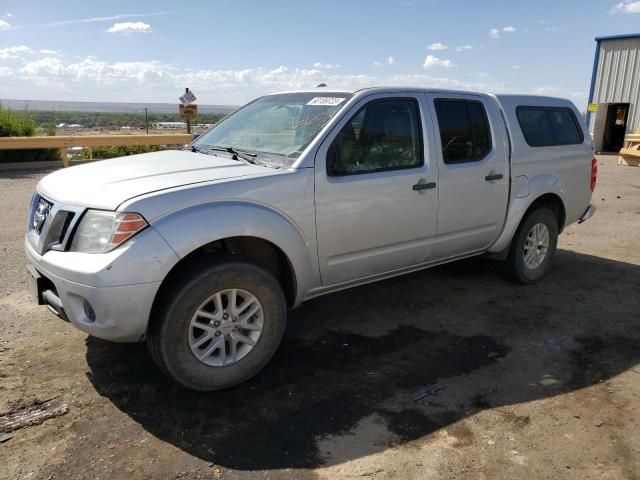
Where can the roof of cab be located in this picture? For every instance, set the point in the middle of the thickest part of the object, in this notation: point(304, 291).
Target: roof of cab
point(507, 98)
point(379, 89)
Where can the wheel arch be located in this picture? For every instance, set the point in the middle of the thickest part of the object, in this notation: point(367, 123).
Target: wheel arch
point(553, 202)
point(543, 190)
point(254, 250)
point(255, 232)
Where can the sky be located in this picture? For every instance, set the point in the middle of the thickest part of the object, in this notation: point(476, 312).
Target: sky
point(231, 51)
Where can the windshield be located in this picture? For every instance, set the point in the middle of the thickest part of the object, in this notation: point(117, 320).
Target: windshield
point(276, 127)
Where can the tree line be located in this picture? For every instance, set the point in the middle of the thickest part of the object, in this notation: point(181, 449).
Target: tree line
point(45, 119)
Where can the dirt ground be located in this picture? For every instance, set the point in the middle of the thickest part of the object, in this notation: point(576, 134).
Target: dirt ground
point(447, 373)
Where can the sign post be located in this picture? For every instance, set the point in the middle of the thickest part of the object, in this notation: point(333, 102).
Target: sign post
point(186, 109)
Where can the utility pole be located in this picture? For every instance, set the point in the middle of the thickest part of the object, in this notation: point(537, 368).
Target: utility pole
point(146, 119)
point(186, 90)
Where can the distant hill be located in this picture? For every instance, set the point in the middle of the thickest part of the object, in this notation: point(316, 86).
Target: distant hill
point(110, 107)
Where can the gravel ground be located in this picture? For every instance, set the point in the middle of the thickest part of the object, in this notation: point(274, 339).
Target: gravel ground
point(447, 373)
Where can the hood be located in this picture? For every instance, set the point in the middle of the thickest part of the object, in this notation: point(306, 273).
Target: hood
point(108, 183)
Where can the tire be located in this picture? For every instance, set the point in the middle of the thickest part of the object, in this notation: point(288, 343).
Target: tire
point(516, 267)
point(177, 325)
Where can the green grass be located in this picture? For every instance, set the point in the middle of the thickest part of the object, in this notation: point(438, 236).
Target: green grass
point(119, 151)
point(21, 124)
point(16, 124)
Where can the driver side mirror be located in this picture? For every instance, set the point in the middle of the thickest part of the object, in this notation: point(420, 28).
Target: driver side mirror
point(334, 157)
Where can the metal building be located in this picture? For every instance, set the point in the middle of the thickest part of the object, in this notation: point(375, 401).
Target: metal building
point(614, 96)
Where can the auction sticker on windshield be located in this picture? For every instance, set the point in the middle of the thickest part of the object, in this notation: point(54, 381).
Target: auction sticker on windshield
point(326, 101)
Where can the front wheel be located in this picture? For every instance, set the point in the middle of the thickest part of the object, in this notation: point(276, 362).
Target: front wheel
point(220, 326)
point(532, 247)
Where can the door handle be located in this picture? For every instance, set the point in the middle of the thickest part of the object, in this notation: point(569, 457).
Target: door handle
point(424, 186)
point(493, 176)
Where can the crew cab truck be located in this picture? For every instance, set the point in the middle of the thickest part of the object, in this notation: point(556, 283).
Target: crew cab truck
point(201, 252)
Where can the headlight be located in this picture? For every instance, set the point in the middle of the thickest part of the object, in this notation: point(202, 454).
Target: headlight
point(101, 232)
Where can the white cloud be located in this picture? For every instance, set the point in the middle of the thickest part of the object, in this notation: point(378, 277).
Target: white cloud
point(376, 64)
point(46, 51)
point(495, 32)
point(14, 52)
point(8, 15)
point(93, 79)
point(437, 46)
point(46, 66)
point(431, 62)
point(515, 67)
point(392, 60)
point(4, 25)
point(325, 66)
point(628, 6)
point(130, 27)
point(119, 16)
point(461, 48)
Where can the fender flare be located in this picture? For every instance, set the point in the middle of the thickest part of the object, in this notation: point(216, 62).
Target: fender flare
point(520, 202)
point(188, 229)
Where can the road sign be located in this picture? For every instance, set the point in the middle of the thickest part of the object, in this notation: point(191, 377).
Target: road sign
point(593, 107)
point(188, 111)
point(187, 98)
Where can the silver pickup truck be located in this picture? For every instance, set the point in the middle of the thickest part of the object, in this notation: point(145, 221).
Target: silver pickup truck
point(202, 251)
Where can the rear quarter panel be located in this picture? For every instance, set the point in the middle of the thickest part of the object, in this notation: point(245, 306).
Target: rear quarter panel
point(564, 170)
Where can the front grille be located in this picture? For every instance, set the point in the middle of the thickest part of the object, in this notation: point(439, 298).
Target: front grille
point(41, 208)
point(50, 224)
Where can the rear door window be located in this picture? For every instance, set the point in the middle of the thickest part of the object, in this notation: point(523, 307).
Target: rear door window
point(465, 134)
point(549, 126)
point(479, 129)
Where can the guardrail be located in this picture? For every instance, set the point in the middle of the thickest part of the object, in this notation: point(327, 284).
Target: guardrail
point(66, 141)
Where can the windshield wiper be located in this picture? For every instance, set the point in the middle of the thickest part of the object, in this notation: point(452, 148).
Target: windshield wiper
point(246, 156)
point(195, 149)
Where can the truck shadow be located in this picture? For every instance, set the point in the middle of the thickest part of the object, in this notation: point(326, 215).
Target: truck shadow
point(415, 354)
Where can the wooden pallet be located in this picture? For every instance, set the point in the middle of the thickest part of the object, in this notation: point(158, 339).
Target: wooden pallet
point(630, 154)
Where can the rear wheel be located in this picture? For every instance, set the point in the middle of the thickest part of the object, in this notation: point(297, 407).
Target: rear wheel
point(220, 326)
point(532, 247)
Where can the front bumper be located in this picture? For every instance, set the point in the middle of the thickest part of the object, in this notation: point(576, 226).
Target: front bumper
point(120, 300)
point(588, 213)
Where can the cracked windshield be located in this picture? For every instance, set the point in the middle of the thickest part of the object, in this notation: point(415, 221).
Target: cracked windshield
point(277, 128)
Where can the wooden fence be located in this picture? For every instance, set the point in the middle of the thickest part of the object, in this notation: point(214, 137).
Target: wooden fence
point(64, 142)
